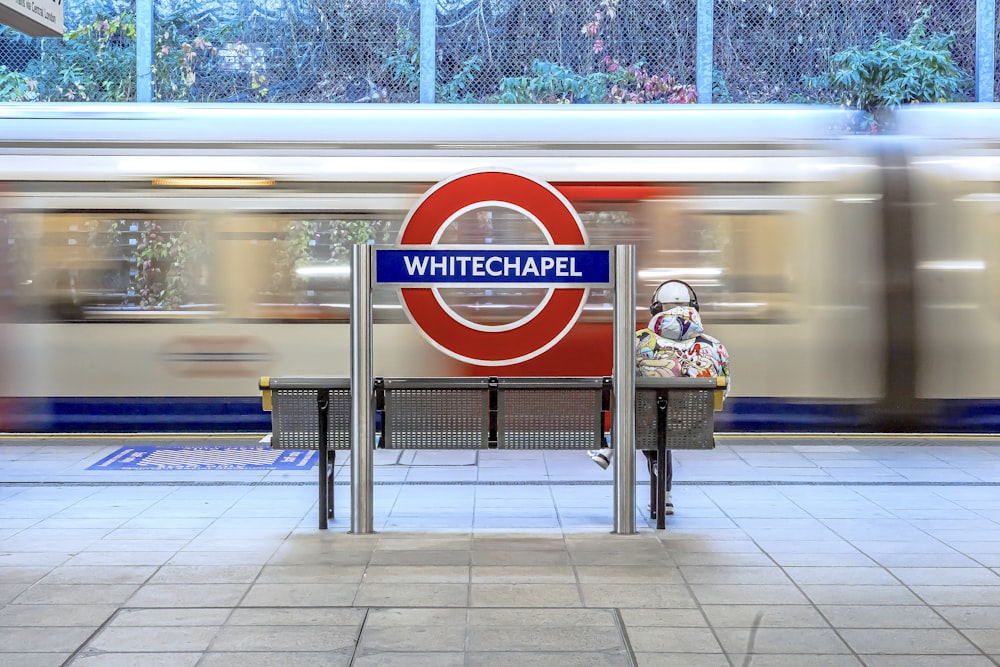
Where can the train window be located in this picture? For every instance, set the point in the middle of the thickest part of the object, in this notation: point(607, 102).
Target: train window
point(307, 263)
point(739, 259)
point(746, 264)
point(76, 266)
point(71, 266)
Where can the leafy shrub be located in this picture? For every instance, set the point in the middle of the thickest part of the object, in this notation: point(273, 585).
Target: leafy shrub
point(97, 63)
point(893, 72)
point(552, 83)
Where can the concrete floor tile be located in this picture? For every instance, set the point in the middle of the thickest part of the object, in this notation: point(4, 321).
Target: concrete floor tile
point(556, 638)
point(413, 638)
point(882, 616)
point(923, 641)
point(206, 574)
point(673, 640)
point(806, 641)
point(277, 658)
point(971, 616)
point(765, 616)
point(299, 595)
point(653, 596)
point(72, 594)
point(868, 576)
point(428, 574)
point(48, 639)
point(157, 659)
point(823, 594)
point(177, 617)
point(512, 574)
point(524, 595)
point(99, 574)
point(68, 615)
point(412, 595)
point(700, 574)
point(409, 659)
point(748, 594)
point(188, 595)
point(927, 661)
point(685, 659)
point(153, 639)
point(285, 638)
point(795, 660)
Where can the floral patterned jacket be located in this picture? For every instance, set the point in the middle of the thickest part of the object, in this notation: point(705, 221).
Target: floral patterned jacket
point(675, 345)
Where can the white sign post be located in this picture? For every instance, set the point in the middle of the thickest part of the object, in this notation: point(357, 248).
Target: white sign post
point(35, 18)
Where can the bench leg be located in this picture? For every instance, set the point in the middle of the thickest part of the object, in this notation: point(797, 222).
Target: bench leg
point(662, 457)
point(651, 466)
point(660, 478)
point(331, 468)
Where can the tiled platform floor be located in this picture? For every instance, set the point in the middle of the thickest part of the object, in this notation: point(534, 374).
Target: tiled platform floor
point(783, 551)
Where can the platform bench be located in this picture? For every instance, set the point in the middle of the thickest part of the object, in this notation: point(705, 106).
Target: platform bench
point(491, 413)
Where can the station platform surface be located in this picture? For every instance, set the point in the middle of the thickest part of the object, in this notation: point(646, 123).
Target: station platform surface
point(798, 550)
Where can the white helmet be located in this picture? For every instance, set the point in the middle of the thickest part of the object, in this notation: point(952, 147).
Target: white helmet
point(673, 293)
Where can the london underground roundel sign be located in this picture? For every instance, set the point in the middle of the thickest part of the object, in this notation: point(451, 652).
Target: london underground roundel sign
point(565, 266)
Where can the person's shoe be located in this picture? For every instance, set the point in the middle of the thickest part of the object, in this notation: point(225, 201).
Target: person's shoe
point(668, 509)
point(599, 458)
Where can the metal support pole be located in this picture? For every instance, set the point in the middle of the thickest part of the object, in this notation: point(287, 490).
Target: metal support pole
point(986, 16)
point(428, 50)
point(362, 394)
point(144, 51)
point(623, 377)
point(703, 51)
point(323, 409)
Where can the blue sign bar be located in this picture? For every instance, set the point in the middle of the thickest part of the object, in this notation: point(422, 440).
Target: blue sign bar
point(482, 265)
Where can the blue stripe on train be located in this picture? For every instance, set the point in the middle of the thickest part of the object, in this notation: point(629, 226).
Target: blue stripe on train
point(217, 414)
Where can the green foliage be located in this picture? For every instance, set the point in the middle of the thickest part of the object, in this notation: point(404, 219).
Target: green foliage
point(178, 49)
point(720, 89)
point(97, 63)
point(403, 67)
point(552, 83)
point(293, 254)
point(14, 86)
point(345, 234)
point(94, 63)
point(892, 72)
point(170, 267)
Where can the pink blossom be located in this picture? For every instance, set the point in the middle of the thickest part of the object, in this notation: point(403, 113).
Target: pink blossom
point(32, 84)
point(613, 67)
point(598, 45)
point(165, 50)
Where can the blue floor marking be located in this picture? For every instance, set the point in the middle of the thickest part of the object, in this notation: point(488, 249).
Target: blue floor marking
point(206, 458)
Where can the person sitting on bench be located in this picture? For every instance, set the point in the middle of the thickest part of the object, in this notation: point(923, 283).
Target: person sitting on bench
point(673, 345)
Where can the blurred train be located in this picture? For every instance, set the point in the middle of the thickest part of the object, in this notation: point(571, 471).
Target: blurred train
point(156, 260)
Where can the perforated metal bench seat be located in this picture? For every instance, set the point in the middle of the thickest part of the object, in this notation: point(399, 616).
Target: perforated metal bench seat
point(489, 413)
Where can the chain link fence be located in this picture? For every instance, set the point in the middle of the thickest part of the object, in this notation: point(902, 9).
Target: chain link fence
point(482, 50)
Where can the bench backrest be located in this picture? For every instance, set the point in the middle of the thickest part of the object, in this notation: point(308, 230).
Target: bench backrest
point(501, 413)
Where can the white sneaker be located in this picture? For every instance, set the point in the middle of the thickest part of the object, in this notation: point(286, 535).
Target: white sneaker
point(668, 507)
point(599, 458)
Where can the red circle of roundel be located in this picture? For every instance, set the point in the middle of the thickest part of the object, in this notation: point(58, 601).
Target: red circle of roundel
point(493, 348)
